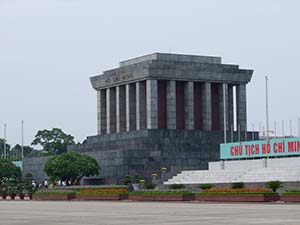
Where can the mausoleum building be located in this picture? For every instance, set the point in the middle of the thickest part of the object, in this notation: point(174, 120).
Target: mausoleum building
point(165, 110)
point(170, 91)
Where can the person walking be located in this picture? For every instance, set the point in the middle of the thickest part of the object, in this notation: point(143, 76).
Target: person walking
point(46, 183)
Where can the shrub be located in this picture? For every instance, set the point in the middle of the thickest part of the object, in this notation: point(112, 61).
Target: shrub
point(274, 185)
point(291, 192)
point(166, 192)
point(237, 185)
point(136, 178)
point(206, 186)
point(177, 186)
point(230, 191)
point(54, 192)
point(150, 185)
point(126, 179)
point(107, 191)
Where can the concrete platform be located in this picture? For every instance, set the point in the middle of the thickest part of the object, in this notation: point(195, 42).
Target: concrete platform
point(115, 213)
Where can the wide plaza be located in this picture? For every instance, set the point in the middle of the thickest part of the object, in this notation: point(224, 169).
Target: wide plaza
point(115, 213)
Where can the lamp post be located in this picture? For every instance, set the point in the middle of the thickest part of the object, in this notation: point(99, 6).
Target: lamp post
point(267, 108)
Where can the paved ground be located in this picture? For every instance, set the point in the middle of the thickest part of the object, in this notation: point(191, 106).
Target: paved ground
point(115, 213)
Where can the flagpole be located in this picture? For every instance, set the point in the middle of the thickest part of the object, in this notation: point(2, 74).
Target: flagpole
point(4, 147)
point(298, 127)
point(291, 128)
point(22, 149)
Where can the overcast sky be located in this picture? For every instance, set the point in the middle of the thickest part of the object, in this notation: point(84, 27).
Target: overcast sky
point(50, 48)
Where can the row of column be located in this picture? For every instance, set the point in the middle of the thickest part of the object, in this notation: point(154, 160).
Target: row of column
point(153, 104)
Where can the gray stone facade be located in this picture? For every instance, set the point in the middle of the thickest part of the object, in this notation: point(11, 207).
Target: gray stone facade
point(35, 166)
point(165, 110)
point(146, 151)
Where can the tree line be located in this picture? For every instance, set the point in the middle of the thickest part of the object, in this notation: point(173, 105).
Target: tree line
point(52, 142)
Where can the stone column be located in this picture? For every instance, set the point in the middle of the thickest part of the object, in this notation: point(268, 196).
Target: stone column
point(221, 106)
point(108, 111)
point(206, 110)
point(151, 97)
point(101, 111)
point(98, 112)
point(241, 107)
point(141, 118)
point(189, 105)
point(121, 108)
point(230, 107)
point(171, 104)
point(130, 107)
point(111, 110)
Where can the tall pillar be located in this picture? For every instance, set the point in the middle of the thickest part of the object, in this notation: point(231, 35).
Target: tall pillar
point(98, 112)
point(189, 105)
point(221, 106)
point(230, 108)
point(171, 104)
point(111, 110)
point(206, 110)
point(151, 97)
point(215, 106)
point(180, 105)
point(101, 111)
point(198, 105)
point(130, 107)
point(121, 108)
point(141, 117)
point(241, 106)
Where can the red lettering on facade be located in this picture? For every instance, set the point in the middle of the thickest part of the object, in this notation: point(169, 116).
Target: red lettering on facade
point(294, 146)
point(236, 150)
point(266, 148)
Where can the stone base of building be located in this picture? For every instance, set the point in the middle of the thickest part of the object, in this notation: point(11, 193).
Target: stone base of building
point(145, 152)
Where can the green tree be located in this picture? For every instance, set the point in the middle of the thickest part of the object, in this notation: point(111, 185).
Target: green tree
point(71, 166)
point(8, 170)
point(274, 185)
point(16, 152)
point(53, 141)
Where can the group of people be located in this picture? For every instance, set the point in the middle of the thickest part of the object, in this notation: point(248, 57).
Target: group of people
point(45, 184)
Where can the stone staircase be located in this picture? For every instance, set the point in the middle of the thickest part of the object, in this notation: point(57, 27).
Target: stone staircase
point(286, 172)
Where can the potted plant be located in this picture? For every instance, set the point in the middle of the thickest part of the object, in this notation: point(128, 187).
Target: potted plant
point(136, 182)
point(3, 191)
point(29, 190)
point(4, 194)
point(12, 192)
point(20, 191)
